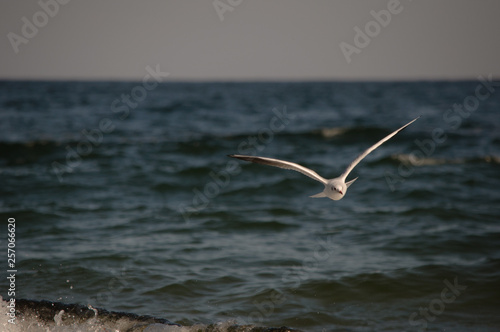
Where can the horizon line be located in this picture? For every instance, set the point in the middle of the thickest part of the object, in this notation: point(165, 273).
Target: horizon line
point(243, 80)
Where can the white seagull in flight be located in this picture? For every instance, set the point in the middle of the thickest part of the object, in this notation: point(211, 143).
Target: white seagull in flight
point(335, 188)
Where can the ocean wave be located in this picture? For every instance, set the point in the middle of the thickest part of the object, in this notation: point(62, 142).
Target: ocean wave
point(31, 316)
point(21, 153)
point(200, 143)
point(409, 159)
point(47, 316)
point(352, 133)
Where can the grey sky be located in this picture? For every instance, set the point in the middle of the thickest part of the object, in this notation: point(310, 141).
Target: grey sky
point(257, 39)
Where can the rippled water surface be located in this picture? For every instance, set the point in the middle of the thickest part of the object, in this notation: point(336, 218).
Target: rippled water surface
point(131, 203)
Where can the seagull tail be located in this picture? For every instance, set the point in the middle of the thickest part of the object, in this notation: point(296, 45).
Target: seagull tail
point(321, 194)
point(350, 182)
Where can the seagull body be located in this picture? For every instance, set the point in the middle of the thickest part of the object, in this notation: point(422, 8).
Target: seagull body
point(335, 188)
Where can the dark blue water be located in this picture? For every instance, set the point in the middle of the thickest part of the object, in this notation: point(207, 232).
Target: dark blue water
point(124, 199)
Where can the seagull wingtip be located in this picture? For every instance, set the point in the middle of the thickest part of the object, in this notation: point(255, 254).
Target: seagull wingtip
point(409, 123)
point(237, 156)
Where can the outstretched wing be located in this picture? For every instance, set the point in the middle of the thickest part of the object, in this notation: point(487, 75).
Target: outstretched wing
point(281, 164)
point(370, 149)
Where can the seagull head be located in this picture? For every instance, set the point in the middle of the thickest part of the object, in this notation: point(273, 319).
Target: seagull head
point(335, 189)
point(339, 189)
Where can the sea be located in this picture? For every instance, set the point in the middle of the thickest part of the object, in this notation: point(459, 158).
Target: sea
point(120, 209)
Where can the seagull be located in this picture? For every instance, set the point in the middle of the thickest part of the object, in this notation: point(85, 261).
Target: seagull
point(336, 188)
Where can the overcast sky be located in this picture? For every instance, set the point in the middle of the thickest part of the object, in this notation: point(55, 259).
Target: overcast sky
point(250, 39)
